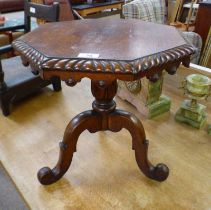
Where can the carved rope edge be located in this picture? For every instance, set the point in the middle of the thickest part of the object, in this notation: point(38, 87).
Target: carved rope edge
point(41, 61)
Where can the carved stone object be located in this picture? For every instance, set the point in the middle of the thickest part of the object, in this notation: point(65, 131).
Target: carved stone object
point(197, 87)
point(104, 51)
point(145, 95)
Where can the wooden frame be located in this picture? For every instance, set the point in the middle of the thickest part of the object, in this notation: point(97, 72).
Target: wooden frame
point(13, 91)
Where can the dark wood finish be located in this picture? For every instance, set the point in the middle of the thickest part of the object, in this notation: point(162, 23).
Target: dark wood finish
point(203, 20)
point(104, 116)
point(40, 11)
point(145, 51)
point(11, 5)
point(17, 82)
point(126, 61)
point(66, 12)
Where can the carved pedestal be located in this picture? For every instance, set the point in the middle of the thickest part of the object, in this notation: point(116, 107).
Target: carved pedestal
point(104, 116)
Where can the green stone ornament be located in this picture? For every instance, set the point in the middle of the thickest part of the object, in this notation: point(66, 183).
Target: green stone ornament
point(157, 104)
point(196, 87)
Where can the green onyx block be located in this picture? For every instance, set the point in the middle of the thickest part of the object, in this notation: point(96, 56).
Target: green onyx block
point(194, 116)
point(154, 91)
point(159, 107)
point(195, 113)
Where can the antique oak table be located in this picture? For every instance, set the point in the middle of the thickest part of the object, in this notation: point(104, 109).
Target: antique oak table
point(104, 51)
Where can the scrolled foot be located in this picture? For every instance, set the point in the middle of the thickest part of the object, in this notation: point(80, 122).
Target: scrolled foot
point(47, 176)
point(87, 120)
point(159, 173)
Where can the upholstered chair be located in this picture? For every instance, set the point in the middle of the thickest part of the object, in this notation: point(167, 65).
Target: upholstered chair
point(146, 95)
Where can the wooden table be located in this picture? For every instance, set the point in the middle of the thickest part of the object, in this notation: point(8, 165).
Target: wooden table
point(86, 9)
point(203, 20)
point(146, 49)
point(10, 26)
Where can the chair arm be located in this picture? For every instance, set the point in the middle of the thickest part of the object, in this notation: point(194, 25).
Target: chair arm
point(195, 40)
point(5, 49)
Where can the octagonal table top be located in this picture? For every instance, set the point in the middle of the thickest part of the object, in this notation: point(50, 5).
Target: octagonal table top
point(113, 46)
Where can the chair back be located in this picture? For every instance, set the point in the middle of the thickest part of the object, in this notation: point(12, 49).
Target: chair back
point(147, 10)
point(66, 12)
point(48, 13)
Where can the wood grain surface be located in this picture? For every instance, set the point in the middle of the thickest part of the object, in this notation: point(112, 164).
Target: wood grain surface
point(104, 174)
point(145, 49)
point(102, 36)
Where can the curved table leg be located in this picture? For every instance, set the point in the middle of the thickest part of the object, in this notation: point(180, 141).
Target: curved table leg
point(121, 119)
point(86, 120)
point(104, 116)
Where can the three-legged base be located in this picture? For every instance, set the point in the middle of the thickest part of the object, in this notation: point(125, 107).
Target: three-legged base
point(104, 116)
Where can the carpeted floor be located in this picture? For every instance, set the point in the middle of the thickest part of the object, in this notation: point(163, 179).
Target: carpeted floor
point(10, 198)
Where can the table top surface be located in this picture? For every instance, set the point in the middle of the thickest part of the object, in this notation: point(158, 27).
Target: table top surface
point(126, 46)
point(95, 4)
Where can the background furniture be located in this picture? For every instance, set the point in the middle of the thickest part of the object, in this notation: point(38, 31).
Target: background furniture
point(11, 5)
point(86, 9)
point(203, 27)
point(206, 55)
point(203, 20)
point(17, 81)
point(147, 93)
point(65, 9)
point(8, 31)
point(106, 62)
point(183, 14)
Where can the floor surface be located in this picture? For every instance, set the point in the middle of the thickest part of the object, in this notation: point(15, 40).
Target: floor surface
point(104, 174)
point(10, 198)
